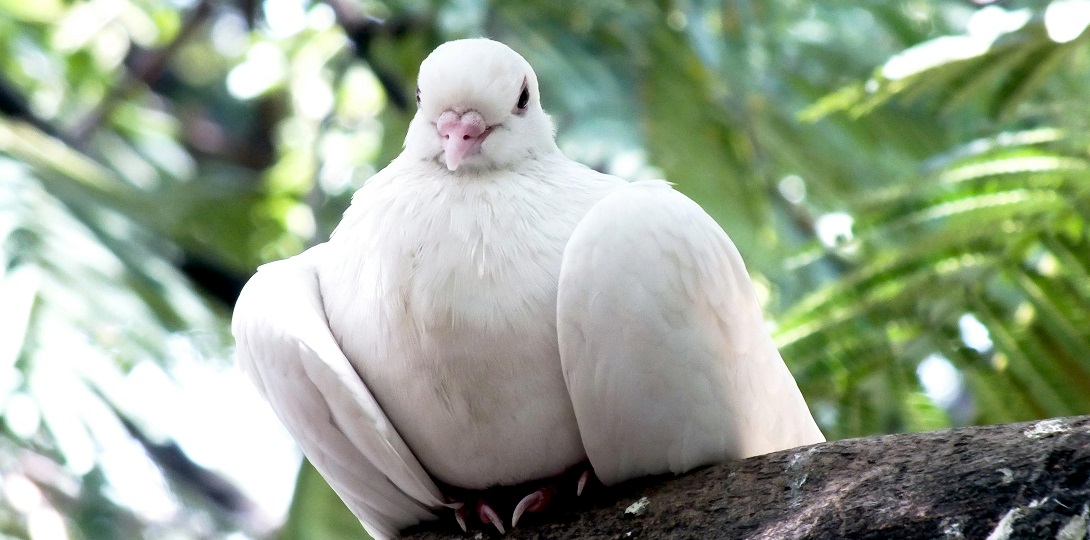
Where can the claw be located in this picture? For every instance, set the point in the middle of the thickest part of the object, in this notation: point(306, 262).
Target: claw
point(534, 502)
point(489, 516)
point(582, 482)
point(460, 516)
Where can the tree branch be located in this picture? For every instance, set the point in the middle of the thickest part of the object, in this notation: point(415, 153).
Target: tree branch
point(142, 75)
point(361, 29)
point(1027, 480)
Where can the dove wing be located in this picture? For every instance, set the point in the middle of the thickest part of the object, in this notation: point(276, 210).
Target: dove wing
point(663, 345)
point(286, 348)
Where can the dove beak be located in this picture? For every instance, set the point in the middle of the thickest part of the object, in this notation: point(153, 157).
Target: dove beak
point(461, 136)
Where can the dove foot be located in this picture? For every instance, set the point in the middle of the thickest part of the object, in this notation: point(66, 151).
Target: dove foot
point(488, 516)
point(534, 502)
point(460, 515)
point(581, 484)
point(520, 500)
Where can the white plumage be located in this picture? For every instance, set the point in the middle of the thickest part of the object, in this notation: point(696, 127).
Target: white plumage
point(490, 312)
point(664, 349)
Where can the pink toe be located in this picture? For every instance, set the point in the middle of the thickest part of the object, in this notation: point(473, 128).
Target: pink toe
point(460, 515)
point(489, 516)
point(534, 502)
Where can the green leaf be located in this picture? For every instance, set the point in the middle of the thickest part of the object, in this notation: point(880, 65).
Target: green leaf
point(1028, 77)
point(18, 291)
point(38, 11)
point(317, 512)
point(922, 414)
point(695, 144)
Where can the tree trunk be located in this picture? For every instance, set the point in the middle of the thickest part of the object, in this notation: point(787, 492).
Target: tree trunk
point(1027, 480)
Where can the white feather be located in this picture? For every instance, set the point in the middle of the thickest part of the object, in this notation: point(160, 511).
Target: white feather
point(285, 346)
point(664, 349)
point(442, 293)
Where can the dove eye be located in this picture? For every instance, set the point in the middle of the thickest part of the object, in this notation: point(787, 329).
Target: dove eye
point(524, 97)
point(417, 96)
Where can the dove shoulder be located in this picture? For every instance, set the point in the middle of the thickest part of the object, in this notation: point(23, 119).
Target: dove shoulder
point(663, 346)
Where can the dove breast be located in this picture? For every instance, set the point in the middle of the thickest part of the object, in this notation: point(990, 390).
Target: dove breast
point(441, 291)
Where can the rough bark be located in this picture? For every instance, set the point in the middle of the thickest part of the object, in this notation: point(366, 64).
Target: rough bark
point(1027, 480)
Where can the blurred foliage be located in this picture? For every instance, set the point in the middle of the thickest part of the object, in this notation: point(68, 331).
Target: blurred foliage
point(317, 512)
point(908, 182)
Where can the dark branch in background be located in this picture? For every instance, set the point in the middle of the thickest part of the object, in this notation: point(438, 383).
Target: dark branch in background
point(1012, 481)
point(249, 12)
point(182, 471)
point(212, 277)
point(361, 29)
point(144, 75)
point(215, 279)
point(208, 484)
point(15, 105)
point(77, 500)
point(803, 220)
point(146, 68)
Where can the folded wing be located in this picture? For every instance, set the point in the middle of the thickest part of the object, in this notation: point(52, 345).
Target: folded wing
point(285, 346)
point(663, 345)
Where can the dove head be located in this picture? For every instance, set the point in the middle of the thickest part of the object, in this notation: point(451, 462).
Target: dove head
point(479, 108)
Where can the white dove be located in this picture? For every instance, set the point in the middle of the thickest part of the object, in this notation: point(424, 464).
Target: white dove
point(490, 312)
